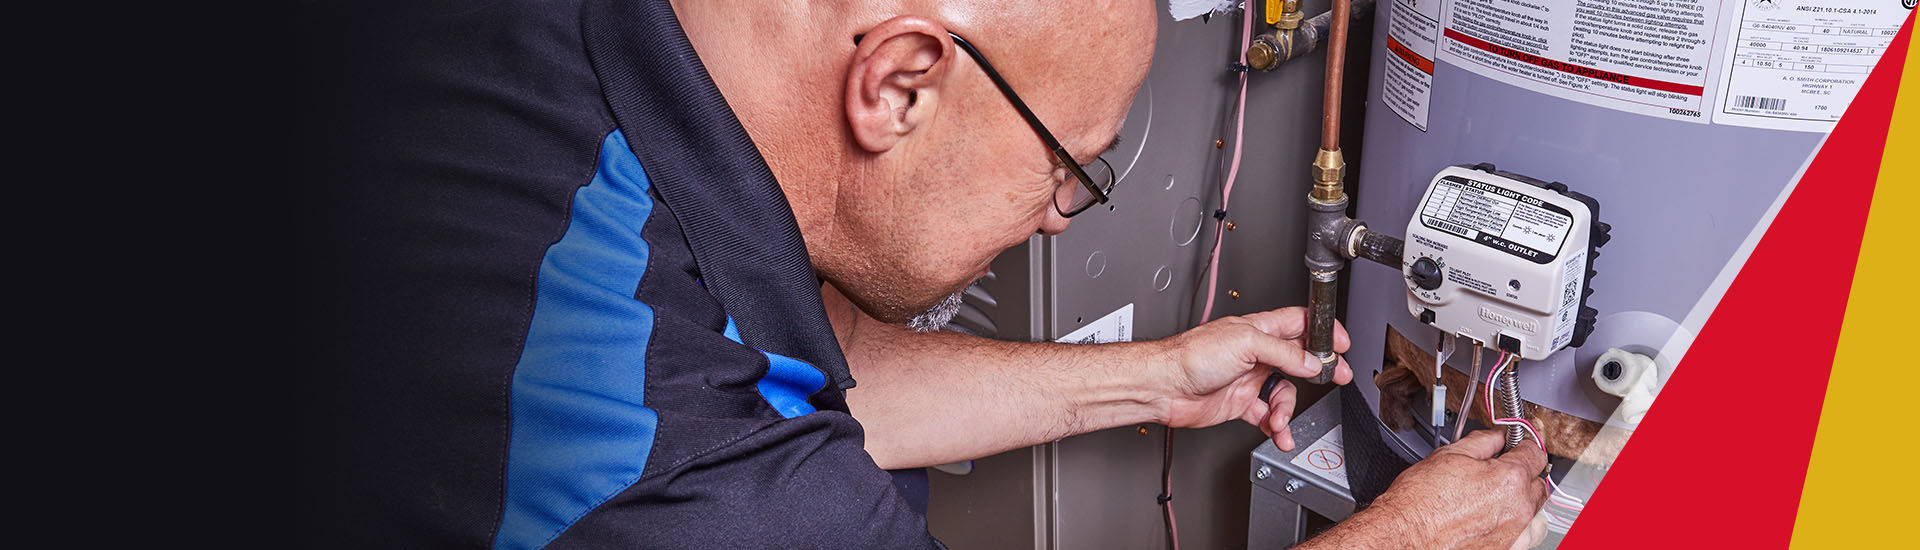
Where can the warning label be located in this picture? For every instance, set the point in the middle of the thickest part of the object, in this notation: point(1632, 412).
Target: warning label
point(1327, 457)
point(1648, 56)
point(1796, 64)
point(1413, 34)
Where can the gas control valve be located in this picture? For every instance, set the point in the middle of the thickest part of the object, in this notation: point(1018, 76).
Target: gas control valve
point(1504, 259)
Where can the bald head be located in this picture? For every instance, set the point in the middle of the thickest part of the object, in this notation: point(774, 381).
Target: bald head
point(907, 168)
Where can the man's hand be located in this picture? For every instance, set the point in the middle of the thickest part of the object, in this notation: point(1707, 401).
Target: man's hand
point(1219, 367)
point(1459, 497)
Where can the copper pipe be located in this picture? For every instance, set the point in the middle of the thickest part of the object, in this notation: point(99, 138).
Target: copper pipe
point(1336, 69)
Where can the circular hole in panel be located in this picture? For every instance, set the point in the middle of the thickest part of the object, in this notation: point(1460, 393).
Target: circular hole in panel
point(1186, 222)
point(1162, 278)
point(1096, 264)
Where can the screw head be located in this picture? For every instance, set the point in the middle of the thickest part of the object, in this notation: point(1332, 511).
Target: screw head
point(1235, 294)
point(1263, 473)
point(1295, 485)
point(1143, 430)
point(1229, 226)
point(1219, 143)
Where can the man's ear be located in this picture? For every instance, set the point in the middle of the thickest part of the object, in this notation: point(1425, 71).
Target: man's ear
point(895, 80)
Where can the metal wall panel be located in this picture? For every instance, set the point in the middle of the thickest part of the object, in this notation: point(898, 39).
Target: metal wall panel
point(1097, 490)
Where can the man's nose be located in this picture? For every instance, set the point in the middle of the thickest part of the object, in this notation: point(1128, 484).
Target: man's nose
point(1054, 224)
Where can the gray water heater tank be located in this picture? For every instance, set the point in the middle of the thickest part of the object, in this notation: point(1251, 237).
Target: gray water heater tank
point(1685, 124)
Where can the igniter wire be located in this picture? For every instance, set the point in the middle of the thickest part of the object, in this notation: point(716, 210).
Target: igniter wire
point(1473, 383)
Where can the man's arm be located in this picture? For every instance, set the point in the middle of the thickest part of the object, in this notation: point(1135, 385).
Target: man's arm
point(932, 398)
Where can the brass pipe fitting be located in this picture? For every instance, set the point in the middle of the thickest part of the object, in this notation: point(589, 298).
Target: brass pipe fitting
point(1329, 173)
point(1289, 16)
point(1262, 54)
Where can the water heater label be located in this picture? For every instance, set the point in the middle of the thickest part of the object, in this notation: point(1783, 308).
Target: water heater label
point(1568, 315)
point(1796, 64)
point(1648, 57)
point(1413, 34)
point(1498, 218)
point(1114, 327)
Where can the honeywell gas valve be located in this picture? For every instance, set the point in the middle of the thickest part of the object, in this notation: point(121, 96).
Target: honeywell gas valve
point(1504, 259)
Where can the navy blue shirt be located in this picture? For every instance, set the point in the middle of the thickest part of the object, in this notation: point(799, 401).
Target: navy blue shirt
point(554, 297)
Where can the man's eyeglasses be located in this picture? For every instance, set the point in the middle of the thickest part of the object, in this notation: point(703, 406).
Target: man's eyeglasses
point(1096, 178)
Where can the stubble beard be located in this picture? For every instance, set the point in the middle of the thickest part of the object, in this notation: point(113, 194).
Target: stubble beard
point(937, 317)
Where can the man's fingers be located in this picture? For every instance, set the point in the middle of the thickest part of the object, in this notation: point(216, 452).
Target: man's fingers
point(1340, 340)
point(1286, 323)
point(1541, 492)
point(1291, 323)
point(1282, 354)
point(1527, 455)
point(1256, 415)
point(1279, 413)
point(1481, 444)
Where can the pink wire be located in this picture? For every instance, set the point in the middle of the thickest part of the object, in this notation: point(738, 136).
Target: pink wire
point(1226, 191)
point(1491, 374)
point(1213, 264)
point(1173, 527)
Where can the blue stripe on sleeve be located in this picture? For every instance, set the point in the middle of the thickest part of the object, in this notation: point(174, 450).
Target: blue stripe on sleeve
point(788, 381)
point(581, 431)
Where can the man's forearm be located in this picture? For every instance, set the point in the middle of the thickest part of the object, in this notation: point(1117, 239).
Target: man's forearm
point(932, 398)
point(1374, 527)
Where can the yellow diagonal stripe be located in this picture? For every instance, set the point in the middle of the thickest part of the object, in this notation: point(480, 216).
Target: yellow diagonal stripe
point(1863, 483)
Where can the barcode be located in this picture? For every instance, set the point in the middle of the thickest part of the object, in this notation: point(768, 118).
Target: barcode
point(1452, 227)
point(1762, 103)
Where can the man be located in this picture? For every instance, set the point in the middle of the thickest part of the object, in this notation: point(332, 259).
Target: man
point(582, 274)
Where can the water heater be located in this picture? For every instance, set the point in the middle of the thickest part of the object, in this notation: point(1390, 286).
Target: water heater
point(1687, 120)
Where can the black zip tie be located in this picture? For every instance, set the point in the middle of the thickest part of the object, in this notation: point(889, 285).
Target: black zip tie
point(1238, 67)
point(1219, 214)
point(1163, 498)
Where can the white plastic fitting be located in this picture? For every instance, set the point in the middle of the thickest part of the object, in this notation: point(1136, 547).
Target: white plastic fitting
point(1633, 377)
